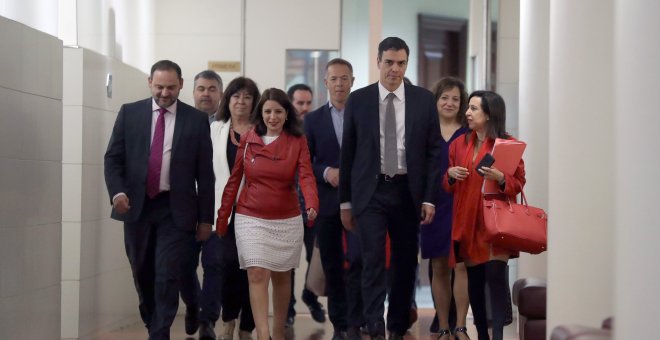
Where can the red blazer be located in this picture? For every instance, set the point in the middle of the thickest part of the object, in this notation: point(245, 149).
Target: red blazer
point(269, 191)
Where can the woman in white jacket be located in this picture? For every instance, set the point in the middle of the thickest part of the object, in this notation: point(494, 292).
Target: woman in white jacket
point(232, 120)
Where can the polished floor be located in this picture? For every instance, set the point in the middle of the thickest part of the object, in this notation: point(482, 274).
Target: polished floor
point(304, 329)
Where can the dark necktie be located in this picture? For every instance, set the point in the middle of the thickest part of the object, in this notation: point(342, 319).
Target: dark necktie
point(156, 156)
point(390, 157)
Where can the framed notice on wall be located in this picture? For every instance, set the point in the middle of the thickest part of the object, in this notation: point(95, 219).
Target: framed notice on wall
point(225, 66)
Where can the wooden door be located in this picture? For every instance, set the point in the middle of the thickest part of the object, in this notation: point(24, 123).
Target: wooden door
point(442, 49)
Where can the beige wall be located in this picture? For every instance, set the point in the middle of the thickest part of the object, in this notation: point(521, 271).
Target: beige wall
point(37, 14)
point(31, 172)
point(97, 285)
point(273, 26)
point(121, 29)
point(209, 31)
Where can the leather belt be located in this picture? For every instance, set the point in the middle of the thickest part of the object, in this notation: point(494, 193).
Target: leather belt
point(395, 178)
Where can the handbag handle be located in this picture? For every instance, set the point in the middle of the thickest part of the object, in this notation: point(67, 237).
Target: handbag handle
point(523, 201)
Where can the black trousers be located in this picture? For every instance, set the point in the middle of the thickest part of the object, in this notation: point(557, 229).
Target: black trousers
point(309, 233)
point(207, 296)
point(159, 252)
point(492, 273)
point(390, 209)
point(236, 290)
point(354, 281)
point(329, 235)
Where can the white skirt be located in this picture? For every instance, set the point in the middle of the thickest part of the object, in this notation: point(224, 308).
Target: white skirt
point(272, 244)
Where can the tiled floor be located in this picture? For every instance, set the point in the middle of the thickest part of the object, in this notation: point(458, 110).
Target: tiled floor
point(305, 329)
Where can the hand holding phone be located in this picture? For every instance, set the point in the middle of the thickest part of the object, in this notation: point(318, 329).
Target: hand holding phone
point(486, 161)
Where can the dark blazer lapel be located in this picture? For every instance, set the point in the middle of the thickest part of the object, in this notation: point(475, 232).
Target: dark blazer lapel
point(179, 125)
point(145, 117)
point(410, 113)
point(372, 109)
point(328, 125)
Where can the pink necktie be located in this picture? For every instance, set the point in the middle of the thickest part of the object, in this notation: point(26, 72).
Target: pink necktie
point(156, 156)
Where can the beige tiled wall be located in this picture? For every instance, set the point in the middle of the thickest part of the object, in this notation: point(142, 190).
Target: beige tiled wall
point(97, 287)
point(31, 172)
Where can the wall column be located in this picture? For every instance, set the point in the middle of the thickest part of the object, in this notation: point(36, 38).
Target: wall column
point(533, 114)
point(637, 223)
point(581, 167)
point(375, 36)
point(507, 62)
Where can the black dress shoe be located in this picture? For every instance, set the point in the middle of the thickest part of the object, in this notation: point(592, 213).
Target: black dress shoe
point(315, 308)
point(395, 336)
point(317, 311)
point(377, 330)
point(339, 335)
point(206, 331)
point(192, 320)
point(290, 320)
point(354, 333)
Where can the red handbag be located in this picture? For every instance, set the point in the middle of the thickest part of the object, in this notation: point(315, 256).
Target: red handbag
point(516, 226)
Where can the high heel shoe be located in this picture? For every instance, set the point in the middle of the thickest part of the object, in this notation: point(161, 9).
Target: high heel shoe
point(461, 330)
point(442, 333)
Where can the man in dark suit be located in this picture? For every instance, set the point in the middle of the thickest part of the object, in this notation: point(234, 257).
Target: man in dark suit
point(388, 180)
point(207, 91)
point(301, 96)
point(159, 176)
point(323, 129)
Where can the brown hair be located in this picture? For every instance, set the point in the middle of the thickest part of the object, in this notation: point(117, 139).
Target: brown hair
point(292, 125)
point(237, 84)
point(446, 84)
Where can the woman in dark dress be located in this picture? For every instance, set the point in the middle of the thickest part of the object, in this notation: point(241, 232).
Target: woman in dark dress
point(451, 100)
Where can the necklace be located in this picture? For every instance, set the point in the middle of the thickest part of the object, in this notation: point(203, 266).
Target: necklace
point(233, 133)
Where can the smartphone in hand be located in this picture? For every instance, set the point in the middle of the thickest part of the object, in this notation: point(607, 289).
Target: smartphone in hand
point(486, 161)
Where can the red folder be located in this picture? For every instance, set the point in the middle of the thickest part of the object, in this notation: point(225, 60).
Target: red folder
point(507, 154)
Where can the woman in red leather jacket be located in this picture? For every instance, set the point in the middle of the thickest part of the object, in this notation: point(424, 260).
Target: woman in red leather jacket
point(269, 236)
point(485, 116)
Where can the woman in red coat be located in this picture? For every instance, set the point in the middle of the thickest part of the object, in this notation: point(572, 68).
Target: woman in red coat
point(486, 263)
point(268, 223)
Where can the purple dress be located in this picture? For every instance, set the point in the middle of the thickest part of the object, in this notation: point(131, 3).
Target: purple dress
point(435, 238)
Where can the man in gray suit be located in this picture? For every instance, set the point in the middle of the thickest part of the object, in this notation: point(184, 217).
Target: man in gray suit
point(159, 175)
point(388, 180)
